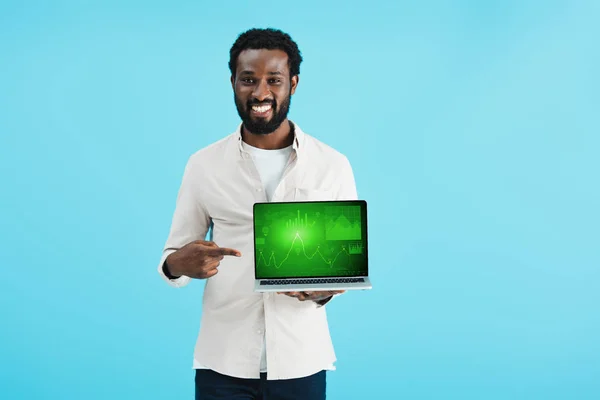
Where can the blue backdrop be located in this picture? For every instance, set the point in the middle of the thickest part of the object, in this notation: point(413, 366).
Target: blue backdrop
point(473, 131)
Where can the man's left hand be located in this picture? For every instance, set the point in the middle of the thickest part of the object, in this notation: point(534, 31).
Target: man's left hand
point(314, 296)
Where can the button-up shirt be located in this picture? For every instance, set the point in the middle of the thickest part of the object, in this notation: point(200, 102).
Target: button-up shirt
point(219, 188)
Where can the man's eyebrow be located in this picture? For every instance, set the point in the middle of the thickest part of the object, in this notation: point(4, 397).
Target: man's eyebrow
point(273, 73)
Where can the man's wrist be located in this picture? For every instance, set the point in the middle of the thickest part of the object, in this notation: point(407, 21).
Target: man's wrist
point(167, 272)
point(324, 301)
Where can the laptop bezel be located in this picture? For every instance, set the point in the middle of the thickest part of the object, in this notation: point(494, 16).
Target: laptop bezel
point(364, 221)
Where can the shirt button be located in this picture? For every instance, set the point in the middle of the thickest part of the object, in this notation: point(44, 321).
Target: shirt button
point(258, 189)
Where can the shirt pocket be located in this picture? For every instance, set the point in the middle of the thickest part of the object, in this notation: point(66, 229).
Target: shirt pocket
point(302, 194)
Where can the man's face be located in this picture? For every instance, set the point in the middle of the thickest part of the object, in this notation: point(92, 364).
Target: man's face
point(263, 89)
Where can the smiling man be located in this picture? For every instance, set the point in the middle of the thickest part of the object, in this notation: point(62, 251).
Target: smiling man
point(254, 345)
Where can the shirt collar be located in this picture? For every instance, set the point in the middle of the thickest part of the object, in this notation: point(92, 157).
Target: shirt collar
point(297, 144)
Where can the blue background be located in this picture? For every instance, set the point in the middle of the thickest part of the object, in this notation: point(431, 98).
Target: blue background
point(472, 127)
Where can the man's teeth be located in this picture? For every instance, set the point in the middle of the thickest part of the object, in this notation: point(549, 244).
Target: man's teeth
point(261, 109)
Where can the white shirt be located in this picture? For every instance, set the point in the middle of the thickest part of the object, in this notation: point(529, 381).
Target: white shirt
point(220, 185)
point(270, 165)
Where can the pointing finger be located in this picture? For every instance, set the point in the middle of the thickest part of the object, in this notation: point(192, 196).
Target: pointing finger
point(223, 251)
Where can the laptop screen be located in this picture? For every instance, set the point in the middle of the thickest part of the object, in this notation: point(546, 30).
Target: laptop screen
point(310, 239)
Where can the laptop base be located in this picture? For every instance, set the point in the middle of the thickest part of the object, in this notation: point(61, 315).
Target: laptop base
point(311, 284)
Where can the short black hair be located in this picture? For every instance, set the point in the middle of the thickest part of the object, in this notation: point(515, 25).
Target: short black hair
point(270, 39)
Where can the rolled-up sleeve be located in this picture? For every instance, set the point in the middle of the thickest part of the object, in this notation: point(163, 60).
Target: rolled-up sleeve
point(190, 220)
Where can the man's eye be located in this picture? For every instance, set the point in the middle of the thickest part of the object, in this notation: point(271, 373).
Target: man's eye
point(248, 80)
point(275, 81)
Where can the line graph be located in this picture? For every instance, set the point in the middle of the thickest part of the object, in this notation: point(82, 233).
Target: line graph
point(310, 257)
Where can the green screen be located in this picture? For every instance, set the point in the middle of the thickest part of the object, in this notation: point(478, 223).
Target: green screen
point(310, 239)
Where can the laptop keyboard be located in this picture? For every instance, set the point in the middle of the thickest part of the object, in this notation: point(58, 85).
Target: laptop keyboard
point(310, 281)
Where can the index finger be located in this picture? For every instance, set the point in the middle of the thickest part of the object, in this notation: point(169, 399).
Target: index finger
point(224, 251)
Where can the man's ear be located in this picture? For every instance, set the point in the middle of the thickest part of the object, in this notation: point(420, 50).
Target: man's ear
point(232, 82)
point(294, 83)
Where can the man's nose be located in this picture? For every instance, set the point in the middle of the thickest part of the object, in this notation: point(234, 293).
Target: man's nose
point(261, 92)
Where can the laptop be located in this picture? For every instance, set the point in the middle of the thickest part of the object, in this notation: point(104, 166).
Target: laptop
point(311, 246)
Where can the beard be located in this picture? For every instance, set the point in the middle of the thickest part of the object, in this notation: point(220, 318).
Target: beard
point(261, 126)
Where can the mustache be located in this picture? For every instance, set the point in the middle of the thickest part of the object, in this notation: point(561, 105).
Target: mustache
point(260, 103)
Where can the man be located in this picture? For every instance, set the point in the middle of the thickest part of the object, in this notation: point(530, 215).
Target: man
point(253, 345)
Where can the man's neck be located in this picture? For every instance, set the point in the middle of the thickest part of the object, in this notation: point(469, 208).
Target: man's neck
point(280, 138)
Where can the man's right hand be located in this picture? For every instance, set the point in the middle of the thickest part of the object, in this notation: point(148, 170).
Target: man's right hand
point(198, 259)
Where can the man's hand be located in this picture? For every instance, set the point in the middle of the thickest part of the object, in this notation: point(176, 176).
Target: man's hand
point(198, 259)
point(314, 296)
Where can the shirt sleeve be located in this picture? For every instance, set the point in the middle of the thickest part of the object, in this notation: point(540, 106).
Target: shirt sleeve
point(190, 222)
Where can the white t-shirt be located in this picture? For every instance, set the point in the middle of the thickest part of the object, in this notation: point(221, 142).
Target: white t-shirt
point(270, 165)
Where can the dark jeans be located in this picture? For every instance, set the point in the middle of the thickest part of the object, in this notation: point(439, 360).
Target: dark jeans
point(211, 385)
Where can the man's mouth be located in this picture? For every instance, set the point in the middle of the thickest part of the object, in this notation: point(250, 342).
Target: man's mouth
point(261, 110)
